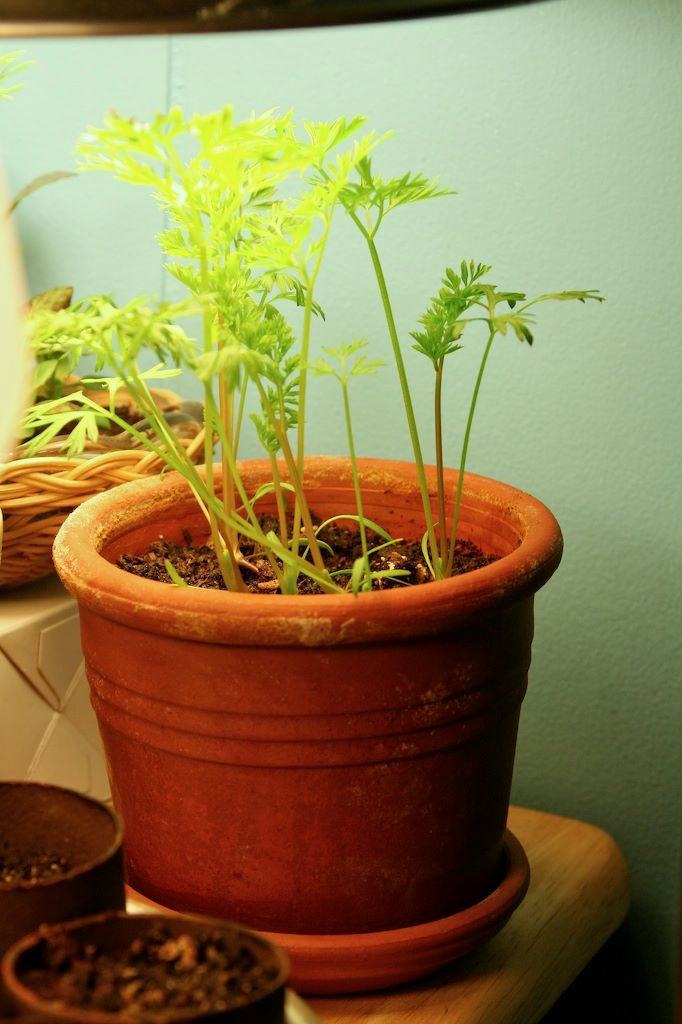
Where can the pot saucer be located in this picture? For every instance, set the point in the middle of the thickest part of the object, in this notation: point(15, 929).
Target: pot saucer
point(331, 964)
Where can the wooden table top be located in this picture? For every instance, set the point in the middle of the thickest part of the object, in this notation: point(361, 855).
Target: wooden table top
point(579, 894)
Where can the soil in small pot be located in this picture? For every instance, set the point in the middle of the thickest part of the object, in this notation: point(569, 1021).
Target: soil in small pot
point(198, 565)
point(30, 867)
point(160, 971)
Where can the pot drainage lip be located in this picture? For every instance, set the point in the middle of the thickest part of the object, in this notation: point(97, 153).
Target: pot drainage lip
point(363, 962)
point(334, 964)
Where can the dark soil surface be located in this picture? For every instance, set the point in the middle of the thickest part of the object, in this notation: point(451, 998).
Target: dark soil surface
point(18, 867)
point(207, 971)
point(198, 566)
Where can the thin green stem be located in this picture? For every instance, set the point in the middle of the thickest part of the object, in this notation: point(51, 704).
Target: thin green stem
point(144, 439)
point(465, 448)
point(281, 516)
point(407, 399)
point(277, 481)
point(356, 482)
point(222, 533)
point(303, 375)
point(296, 482)
point(225, 401)
point(440, 475)
point(173, 453)
point(138, 389)
point(240, 413)
point(310, 281)
point(290, 573)
point(212, 416)
point(219, 535)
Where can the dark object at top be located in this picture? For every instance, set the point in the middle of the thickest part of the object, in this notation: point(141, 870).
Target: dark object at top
point(128, 17)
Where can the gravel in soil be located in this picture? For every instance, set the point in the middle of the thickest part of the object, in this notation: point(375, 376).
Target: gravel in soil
point(198, 565)
point(207, 971)
point(34, 866)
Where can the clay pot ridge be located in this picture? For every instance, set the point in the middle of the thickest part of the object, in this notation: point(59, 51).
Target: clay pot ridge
point(524, 533)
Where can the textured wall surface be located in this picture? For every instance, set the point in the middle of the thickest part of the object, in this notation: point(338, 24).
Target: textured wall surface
point(558, 125)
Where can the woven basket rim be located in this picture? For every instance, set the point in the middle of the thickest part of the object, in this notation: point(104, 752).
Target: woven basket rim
point(38, 493)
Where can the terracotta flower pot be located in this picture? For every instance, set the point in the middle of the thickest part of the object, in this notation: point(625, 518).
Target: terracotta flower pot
point(318, 765)
point(39, 990)
point(81, 834)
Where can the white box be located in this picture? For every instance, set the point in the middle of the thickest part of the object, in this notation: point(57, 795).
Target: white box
point(48, 730)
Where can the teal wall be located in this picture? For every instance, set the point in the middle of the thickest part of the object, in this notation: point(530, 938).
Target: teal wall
point(559, 126)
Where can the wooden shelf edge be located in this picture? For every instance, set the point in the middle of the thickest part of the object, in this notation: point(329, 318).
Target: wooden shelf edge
point(579, 894)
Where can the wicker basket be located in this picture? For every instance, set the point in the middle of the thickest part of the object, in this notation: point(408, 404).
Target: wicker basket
point(36, 495)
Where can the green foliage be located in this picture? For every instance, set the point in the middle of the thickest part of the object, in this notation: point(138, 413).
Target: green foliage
point(11, 65)
point(114, 336)
point(242, 247)
point(175, 576)
point(341, 355)
point(369, 199)
point(444, 323)
point(96, 327)
point(249, 207)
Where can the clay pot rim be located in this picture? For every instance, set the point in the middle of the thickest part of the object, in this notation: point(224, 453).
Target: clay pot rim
point(79, 869)
point(35, 1005)
point(105, 589)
